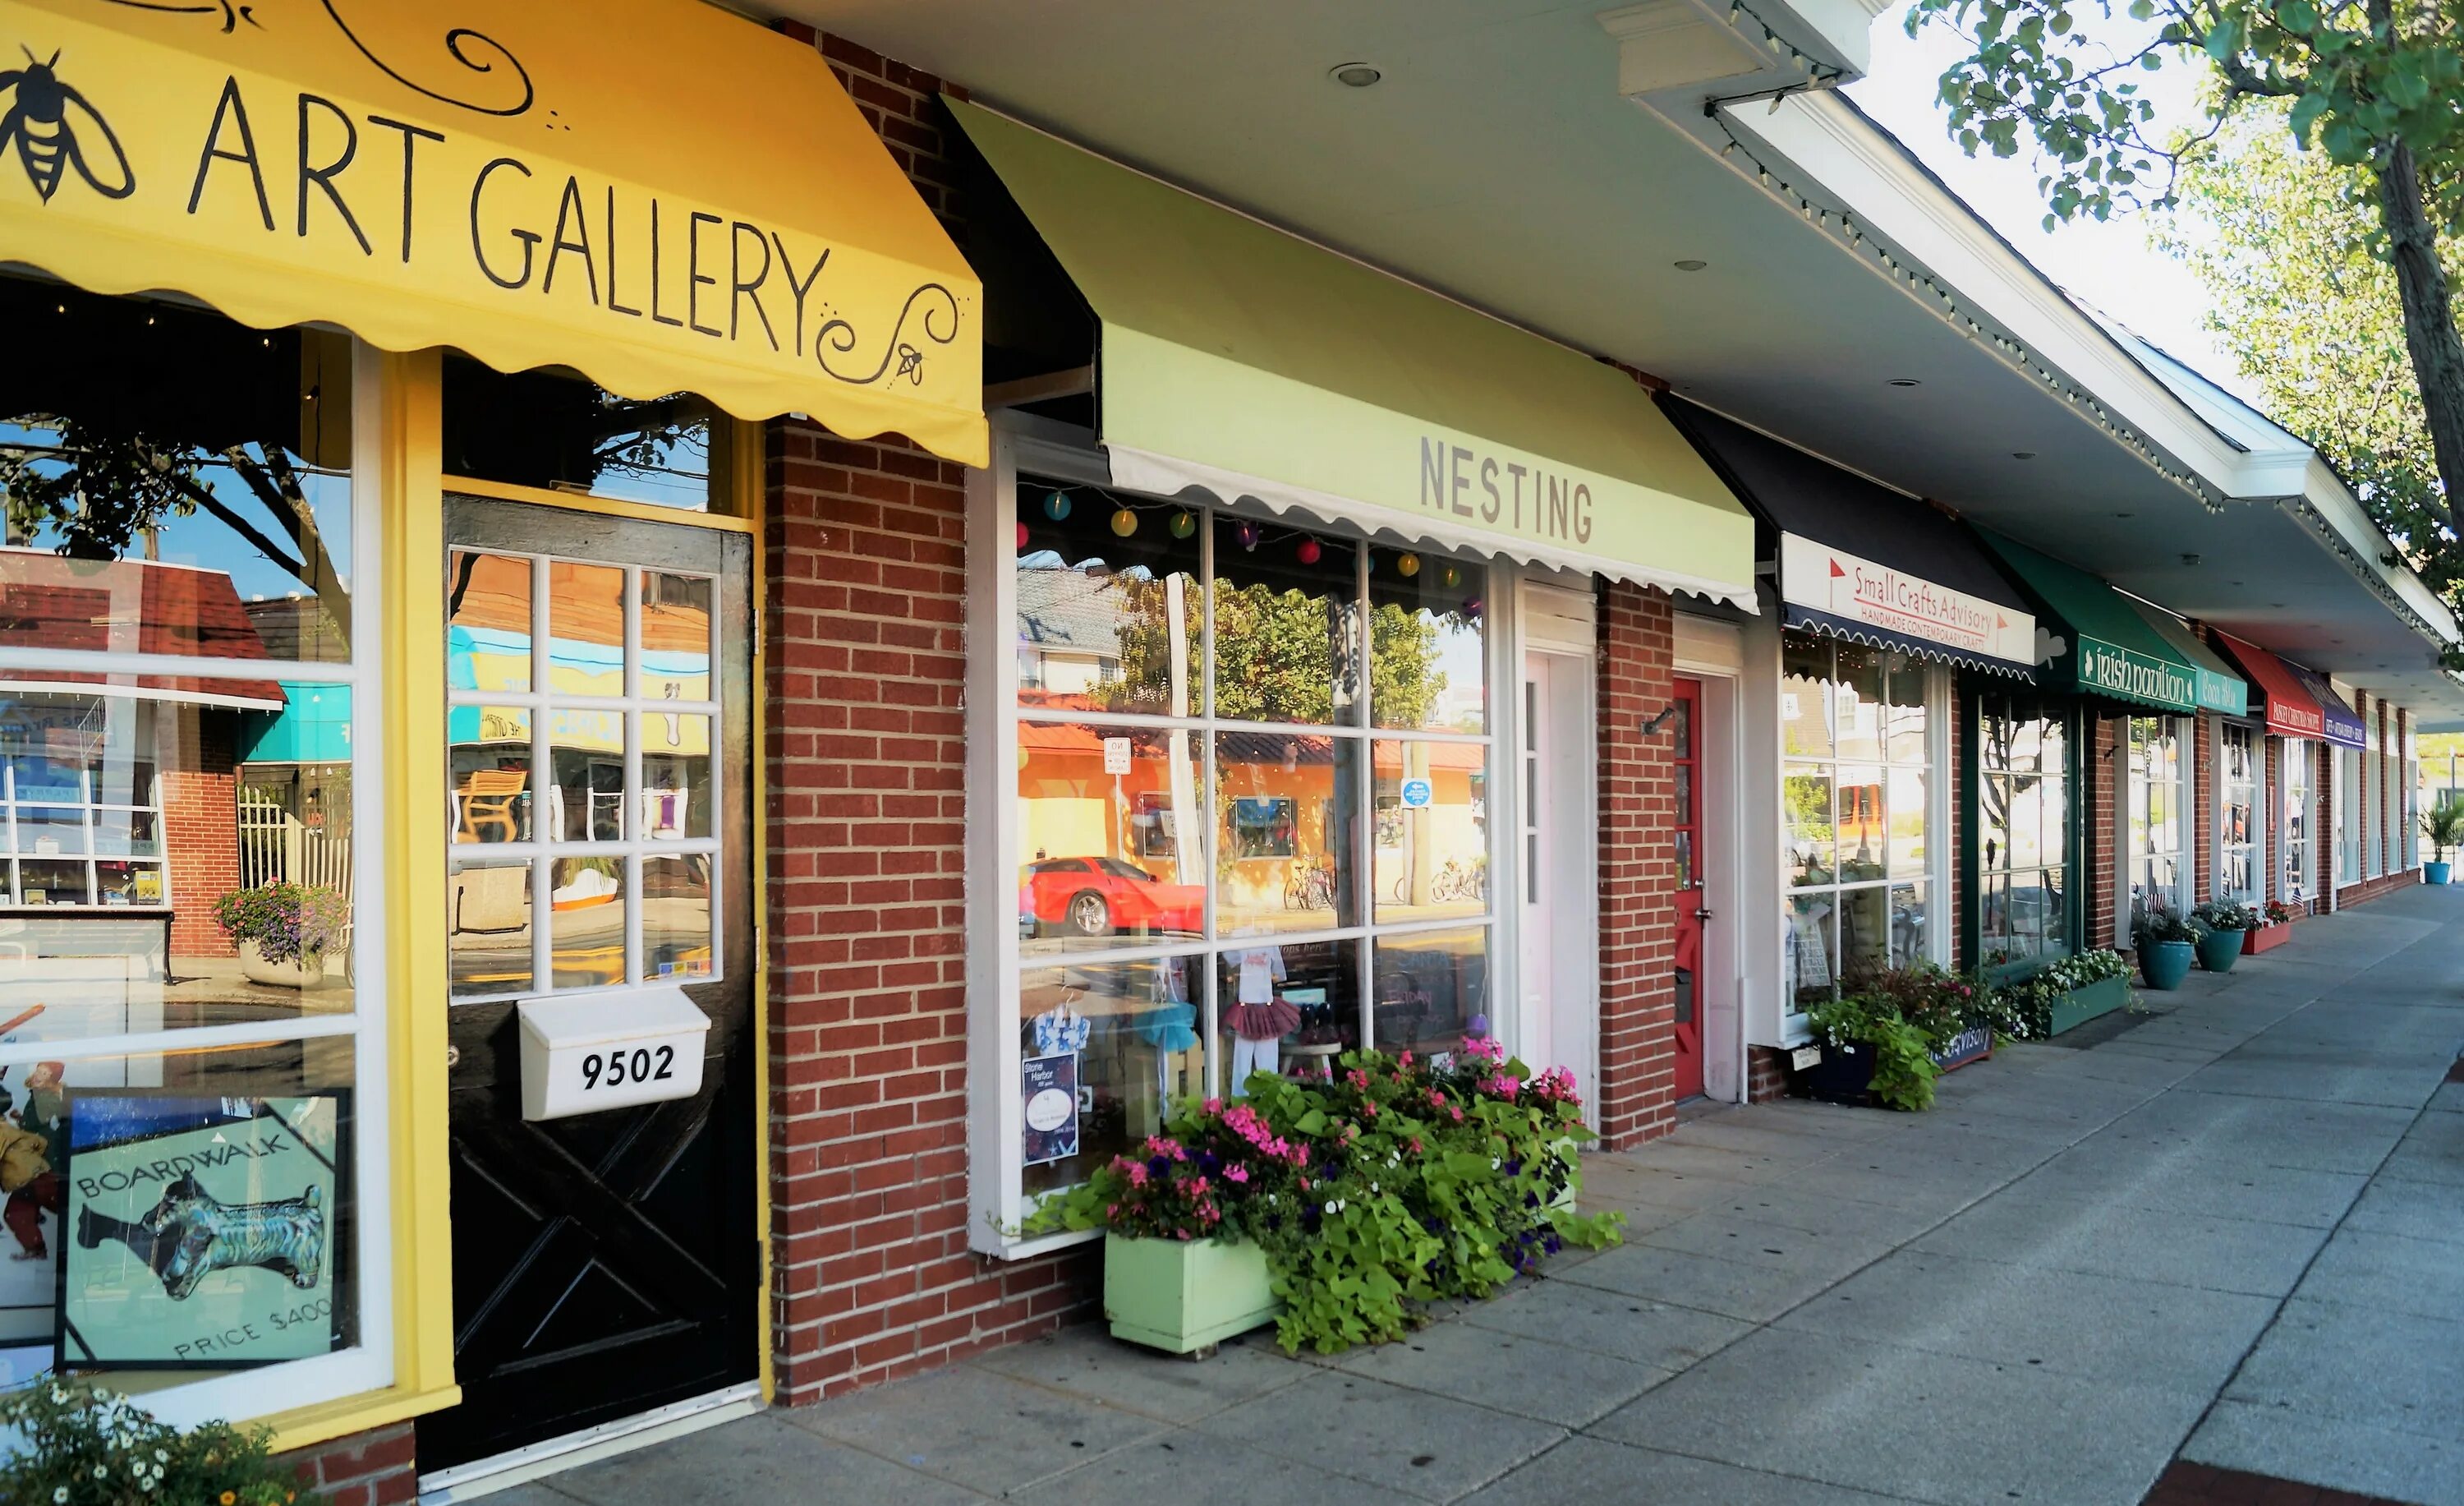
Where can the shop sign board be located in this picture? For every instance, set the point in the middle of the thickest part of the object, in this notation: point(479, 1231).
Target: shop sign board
point(562, 182)
point(1856, 592)
point(1048, 1087)
point(201, 1232)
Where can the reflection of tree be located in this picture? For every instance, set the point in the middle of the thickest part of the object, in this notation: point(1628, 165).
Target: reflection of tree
point(1272, 655)
point(107, 486)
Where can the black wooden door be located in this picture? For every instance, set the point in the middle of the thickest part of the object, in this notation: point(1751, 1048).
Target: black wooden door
point(607, 1262)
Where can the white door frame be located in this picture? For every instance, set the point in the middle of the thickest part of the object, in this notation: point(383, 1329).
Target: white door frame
point(1560, 624)
point(1713, 652)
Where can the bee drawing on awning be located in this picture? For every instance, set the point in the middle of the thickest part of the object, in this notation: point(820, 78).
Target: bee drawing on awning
point(51, 127)
point(188, 1236)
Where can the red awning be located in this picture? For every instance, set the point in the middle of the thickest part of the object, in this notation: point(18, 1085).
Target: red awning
point(2291, 711)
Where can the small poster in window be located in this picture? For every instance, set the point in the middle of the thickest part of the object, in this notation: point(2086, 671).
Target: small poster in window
point(149, 886)
point(1048, 1086)
point(1117, 755)
point(202, 1234)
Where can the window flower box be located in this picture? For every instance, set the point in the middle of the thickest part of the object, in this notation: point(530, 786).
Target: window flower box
point(1845, 1075)
point(2089, 1002)
point(1975, 1043)
point(2266, 937)
point(1185, 1296)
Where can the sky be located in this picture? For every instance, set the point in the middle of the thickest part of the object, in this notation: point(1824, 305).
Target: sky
point(2111, 265)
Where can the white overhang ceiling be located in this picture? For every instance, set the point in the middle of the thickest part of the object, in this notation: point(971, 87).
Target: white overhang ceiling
point(1497, 160)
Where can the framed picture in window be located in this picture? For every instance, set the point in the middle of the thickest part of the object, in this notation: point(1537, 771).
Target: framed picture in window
point(201, 1233)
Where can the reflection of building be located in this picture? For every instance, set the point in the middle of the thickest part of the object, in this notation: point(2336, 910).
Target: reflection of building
point(1069, 640)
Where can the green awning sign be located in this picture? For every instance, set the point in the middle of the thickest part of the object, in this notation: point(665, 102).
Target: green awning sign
point(2114, 645)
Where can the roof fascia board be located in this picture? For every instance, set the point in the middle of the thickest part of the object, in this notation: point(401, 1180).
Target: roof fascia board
point(1836, 146)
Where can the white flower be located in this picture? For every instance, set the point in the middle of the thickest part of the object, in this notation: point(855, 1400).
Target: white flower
point(99, 1472)
point(1372, 1187)
point(161, 1456)
point(1495, 1163)
point(60, 1496)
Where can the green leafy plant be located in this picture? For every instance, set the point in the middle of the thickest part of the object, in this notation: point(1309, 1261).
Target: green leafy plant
point(81, 1444)
point(1395, 1182)
point(1938, 1002)
point(286, 920)
point(2025, 1010)
point(1903, 1065)
point(2444, 825)
point(2156, 925)
point(2227, 915)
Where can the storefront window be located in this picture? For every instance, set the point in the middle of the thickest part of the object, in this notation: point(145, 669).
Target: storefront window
point(1856, 813)
point(1251, 807)
point(559, 431)
point(2299, 821)
point(2157, 828)
point(2024, 770)
point(183, 854)
point(2348, 816)
point(2236, 832)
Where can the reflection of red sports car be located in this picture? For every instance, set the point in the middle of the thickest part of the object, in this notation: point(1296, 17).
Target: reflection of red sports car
point(1098, 896)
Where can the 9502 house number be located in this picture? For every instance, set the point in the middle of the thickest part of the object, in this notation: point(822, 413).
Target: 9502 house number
point(615, 1069)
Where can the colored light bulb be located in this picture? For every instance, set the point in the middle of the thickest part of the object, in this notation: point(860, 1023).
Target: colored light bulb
point(1021, 538)
point(1308, 551)
point(1183, 525)
point(1248, 534)
point(1125, 522)
point(1407, 566)
point(1057, 506)
point(1452, 576)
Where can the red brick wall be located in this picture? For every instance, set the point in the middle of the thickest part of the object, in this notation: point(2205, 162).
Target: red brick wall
point(1766, 1073)
point(1638, 921)
point(2104, 769)
point(866, 637)
point(1960, 899)
point(200, 783)
point(370, 1469)
point(2272, 829)
point(2206, 743)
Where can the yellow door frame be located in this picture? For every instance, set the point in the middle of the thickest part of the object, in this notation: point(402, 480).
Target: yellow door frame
point(403, 427)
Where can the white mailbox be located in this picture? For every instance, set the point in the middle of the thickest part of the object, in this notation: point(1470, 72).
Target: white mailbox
point(610, 1051)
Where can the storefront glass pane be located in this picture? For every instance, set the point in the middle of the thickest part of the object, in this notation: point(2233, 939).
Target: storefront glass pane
point(488, 623)
point(1430, 985)
point(176, 483)
point(1811, 958)
point(1287, 625)
point(488, 760)
point(1104, 1049)
point(1110, 621)
point(1863, 830)
point(556, 432)
point(156, 912)
point(677, 797)
point(1910, 916)
point(1290, 1008)
point(1810, 854)
point(1286, 806)
point(676, 919)
point(1905, 717)
point(245, 1258)
point(1112, 823)
point(1857, 702)
point(586, 934)
point(675, 637)
point(1864, 931)
point(586, 750)
point(1907, 807)
point(1805, 696)
point(2022, 846)
point(1432, 846)
point(585, 624)
point(488, 929)
point(1428, 669)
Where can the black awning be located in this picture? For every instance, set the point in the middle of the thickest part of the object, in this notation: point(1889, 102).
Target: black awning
point(1938, 593)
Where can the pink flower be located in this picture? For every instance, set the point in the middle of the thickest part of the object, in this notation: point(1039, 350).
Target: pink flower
point(1415, 1144)
point(1215, 1105)
point(1137, 1174)
point(1369, 1109)
point(1405, 1059)
point(1236, 1175)
point(1182, 1233)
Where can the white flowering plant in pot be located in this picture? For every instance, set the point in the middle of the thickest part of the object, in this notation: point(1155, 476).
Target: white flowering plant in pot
point(69, 1443)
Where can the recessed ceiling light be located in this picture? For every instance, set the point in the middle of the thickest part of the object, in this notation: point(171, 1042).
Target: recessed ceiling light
point(2125, 514)
point(2023, 454)
point(2190, 559)
point(1691, 264)
point(1904, 381)
point(1354, 75)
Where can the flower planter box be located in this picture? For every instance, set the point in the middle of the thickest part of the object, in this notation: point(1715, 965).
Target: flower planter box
point(300, 972)
point(2266, 937)
point(1185, 1295)
point(1967, 1045)
point(1845, 1075)
point(2081, 1005)
point(2219, 950)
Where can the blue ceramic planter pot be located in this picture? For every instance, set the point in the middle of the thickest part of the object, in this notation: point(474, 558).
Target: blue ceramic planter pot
point(2166, 963)
point(2219, 950)
point(2435, 872)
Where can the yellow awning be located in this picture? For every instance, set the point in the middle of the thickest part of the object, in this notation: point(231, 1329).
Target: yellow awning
point(1243, 362)
point(654, 192)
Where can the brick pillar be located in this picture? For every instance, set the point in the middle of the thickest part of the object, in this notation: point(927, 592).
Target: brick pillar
point(866, 627)
point(199, 781)
point(2408, 835)
point(1638, 921)
point(2206, 743)
point(1955, 904)
point(2104, 771)
point(2323, 843)
point(2268, 839)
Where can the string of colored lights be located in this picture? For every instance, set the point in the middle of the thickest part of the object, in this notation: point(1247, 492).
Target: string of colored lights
point(1059, 503)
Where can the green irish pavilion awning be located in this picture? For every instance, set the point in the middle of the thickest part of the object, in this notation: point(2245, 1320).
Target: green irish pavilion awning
point(1241, 361)
point(2112, 646)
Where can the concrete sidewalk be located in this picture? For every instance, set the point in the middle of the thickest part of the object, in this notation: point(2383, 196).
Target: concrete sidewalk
point(2230, 1228)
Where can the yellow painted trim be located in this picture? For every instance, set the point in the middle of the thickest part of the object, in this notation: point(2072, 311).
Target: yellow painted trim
point(413, 693)
point(745, 475)
point(325, 1421)
point(604, 506)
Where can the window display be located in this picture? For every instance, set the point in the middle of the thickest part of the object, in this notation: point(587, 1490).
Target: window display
point(1858, 730)
point(2300, 763)
point(2025, 768)
point(2158, 825)
point(2238, 837)
point(1250, 808)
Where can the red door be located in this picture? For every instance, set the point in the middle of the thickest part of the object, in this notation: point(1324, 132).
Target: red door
point(1687, 839)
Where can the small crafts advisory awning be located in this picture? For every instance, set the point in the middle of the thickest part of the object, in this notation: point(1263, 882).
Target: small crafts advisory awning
point(1237, 361)
point(2107, 645)
point(2290, 709)
point(2345, 726)
point(660, 196)
point(1860, 562)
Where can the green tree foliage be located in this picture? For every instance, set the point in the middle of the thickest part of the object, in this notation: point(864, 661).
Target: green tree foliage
point(1279, 653)
point(2282, 240)
point(2371, 83)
